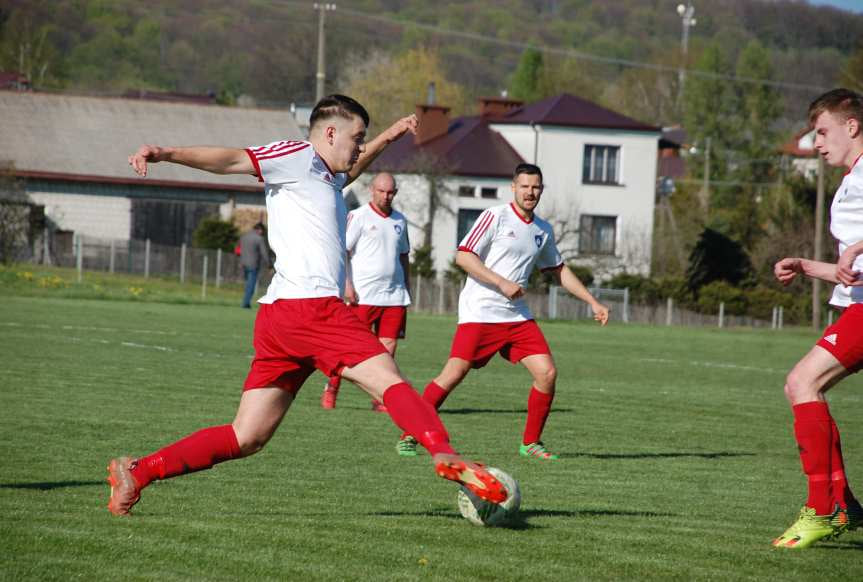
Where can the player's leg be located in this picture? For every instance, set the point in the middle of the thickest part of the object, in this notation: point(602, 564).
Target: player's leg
point(331, 392)
point(259, 414)
point(389, 324)
point(544, 373)
point(805, 387)
point(251, 276)
point(379, 376)
point(390, 343)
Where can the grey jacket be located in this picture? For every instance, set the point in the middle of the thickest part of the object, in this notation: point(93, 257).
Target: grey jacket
point(254, 253)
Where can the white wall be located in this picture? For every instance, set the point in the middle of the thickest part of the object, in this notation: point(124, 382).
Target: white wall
point(108, 217)
point(560, 152)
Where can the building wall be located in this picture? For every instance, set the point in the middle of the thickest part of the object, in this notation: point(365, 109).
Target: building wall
point(106, 217)
point(560, 154)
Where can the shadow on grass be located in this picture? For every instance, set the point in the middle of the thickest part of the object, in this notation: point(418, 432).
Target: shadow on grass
point(614, 456)
point(50, 485)
point(494, 410)
point(842, 545)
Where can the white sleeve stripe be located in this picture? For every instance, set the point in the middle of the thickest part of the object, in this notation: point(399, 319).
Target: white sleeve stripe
point(481, 226)
point(279, 154)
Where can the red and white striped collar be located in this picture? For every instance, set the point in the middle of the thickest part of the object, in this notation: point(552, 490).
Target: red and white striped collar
point(517, 213)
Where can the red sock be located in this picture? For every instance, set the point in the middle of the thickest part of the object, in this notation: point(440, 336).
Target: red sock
point(198, 451)
point(334, 383)
point(435, 395)
point(814, 437)
point(841, 491)
point(538, 407)
point(416, 417)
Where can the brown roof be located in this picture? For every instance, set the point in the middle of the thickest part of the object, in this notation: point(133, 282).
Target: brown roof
point(468, 148)
point(571, 111)
point(792, 146)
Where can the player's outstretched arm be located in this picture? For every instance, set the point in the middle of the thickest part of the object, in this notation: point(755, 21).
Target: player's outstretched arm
point(845, 266)
point(785, 270)
point(217, 160)
point(474, 267)
point(570, 281)
point(374, 147)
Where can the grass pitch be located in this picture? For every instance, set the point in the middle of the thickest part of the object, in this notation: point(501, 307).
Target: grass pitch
point(678, 457)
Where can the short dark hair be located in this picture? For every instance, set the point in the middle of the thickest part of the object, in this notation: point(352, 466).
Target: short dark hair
point(259, 225)
point(529, 169)
point(337, 105)
point(843, 102)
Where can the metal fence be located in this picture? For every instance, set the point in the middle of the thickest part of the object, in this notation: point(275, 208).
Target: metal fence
point(430, 295)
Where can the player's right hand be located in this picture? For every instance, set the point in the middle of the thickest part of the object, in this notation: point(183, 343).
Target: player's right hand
point(511, 290)
point(845, 272)
point(146, 153)
point(786, 269)
point(351, 297)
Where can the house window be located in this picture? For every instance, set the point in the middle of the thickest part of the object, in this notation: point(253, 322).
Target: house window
point(466, 191)
point(597, 234)
point(488, 192)
point(601, 164)
point(466, 218)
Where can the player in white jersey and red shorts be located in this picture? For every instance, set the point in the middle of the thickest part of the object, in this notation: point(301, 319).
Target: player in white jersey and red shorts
point(378, 282)
point(302, 323)
point(831, 508)
point(499, 253)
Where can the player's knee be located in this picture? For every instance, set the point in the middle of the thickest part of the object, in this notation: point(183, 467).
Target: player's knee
point(251, 443)
point(799, 387)
point(546, 378)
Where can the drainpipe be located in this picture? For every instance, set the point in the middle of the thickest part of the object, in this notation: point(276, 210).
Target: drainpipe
point(535, 129)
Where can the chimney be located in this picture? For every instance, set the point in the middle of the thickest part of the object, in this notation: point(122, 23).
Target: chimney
point(497, 106)
point(433, 122)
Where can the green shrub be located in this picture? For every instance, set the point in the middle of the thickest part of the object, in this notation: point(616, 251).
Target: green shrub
point(215, 233)
point(422, 264)
point(712, 294)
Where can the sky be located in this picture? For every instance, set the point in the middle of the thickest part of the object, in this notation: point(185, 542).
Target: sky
point(852, 5)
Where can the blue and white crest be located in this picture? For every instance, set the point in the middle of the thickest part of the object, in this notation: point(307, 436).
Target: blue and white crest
point(398, 228)
point(538, 239)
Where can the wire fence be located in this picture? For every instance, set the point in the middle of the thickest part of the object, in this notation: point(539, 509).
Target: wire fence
point(429, 295)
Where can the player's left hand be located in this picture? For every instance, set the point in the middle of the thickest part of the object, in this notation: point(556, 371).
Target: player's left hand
point(600, 312)
point(845, 267)
point(402, 126)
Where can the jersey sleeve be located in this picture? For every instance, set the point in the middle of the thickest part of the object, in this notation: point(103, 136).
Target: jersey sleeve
point(549, 257)
point(404, 241)
point(479, 237)
point(279, 162)
point(354, 229)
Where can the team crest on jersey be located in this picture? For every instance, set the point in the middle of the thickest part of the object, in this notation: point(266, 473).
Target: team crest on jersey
point(398, 228)
point(538, 239)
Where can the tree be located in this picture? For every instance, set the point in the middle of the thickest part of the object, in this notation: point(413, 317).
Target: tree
point(526, 80)
point(215, 233)
point(851, 75)
point(716, 257)
point(26, 46)
point(390, 87)
point(14, 215)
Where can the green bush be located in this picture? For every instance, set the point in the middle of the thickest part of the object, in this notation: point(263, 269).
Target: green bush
point(712, 294)
point(584, 274)
point(215, 233)
point(422, 264)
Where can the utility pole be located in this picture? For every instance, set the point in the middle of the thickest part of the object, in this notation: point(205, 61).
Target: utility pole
point(705, 187)
point(321, 76)
point(817, 254)
point(687, 18)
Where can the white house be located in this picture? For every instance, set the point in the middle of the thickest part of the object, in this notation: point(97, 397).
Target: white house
point(599, 170)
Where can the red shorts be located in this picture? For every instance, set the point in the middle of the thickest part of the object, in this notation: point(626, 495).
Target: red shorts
point(478, 342)
point(844, 339)
point(295, 336)
point(384, 321)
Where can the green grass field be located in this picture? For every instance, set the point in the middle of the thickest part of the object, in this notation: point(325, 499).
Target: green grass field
point(678, 457)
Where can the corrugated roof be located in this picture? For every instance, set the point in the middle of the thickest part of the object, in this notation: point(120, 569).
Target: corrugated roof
point(469, 148)
point(571, 111)
point(93, 136)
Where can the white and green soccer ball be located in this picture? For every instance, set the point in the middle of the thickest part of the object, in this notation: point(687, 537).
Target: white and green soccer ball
point(485, 513)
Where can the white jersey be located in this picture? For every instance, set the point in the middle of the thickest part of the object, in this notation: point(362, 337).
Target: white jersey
point(376, 243)
point(307, 217)
point(510, 246)
point(846, 226)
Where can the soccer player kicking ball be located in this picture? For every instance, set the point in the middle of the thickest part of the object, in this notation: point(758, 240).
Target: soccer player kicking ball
point(499, 253)
point(302, 323)
point(830, 509)
point(378, 283)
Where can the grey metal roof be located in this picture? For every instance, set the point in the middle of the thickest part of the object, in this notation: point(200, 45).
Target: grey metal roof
point(93, 136)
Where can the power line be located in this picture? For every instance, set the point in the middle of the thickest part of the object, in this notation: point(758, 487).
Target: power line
point(572, 53)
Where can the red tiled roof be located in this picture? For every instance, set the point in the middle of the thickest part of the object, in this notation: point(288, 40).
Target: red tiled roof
point(792, 146)
point(571, 111)
point(469, 148)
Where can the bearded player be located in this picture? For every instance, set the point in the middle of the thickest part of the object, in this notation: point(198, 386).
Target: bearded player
point(499, 253)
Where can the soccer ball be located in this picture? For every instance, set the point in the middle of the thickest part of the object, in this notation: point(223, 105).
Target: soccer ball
point(480, 512)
